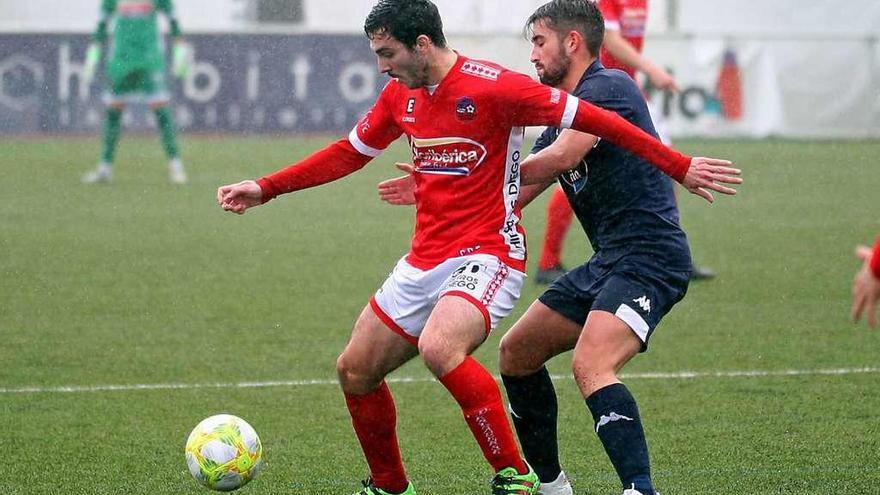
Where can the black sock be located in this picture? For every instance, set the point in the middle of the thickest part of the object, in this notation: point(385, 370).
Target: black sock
point(616, 420)
point(533, 408)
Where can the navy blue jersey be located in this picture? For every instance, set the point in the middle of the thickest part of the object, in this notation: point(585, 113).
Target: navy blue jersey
point(625, 205)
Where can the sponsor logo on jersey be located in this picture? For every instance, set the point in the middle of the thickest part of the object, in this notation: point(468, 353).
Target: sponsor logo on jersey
point(447, 156)
point(576, 178)
point(465, 109)
point(480, 70)
point(134, 8)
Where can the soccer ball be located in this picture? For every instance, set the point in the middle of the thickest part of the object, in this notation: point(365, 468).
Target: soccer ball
point(224, 452)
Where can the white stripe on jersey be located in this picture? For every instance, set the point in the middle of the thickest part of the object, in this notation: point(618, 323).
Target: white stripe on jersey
point(510, 189)
point(361, 146)
point(612, 25)
point(571, 108)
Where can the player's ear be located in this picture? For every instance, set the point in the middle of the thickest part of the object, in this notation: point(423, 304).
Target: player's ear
point(573, 40)
point(423, 42)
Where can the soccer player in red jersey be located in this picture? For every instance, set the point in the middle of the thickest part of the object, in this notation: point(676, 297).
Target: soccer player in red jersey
point(625, 22)
point(866, 286)
point(464, 121)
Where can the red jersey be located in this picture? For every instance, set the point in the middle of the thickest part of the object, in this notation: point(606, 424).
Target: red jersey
point(628, 17)
point(465, 138)
point(465, 135)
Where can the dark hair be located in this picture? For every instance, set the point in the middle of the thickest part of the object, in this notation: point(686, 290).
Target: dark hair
point(563, 16)
point(406, 20)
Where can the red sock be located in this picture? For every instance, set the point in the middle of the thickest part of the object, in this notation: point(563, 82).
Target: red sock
point(375, 422)
point(559, 215)
point(480, 400)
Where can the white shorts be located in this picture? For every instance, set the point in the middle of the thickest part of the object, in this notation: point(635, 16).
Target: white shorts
point(406, 299)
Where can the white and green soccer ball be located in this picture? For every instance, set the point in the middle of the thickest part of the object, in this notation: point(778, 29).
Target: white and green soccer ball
point(224, 453)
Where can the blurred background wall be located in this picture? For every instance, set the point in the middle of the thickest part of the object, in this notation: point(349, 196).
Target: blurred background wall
point(757, 68)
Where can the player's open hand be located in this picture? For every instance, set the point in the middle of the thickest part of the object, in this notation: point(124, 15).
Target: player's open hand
point(400, 190)
point(237, 198)
point(866, 289)
point(707, 174)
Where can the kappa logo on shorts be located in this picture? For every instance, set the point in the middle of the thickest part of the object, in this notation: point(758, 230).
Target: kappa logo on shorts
point(644, 303)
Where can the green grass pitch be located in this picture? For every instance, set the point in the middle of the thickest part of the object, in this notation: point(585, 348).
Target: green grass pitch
point(143, 285)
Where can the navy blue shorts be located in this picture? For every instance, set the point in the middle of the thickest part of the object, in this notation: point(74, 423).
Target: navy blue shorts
point(637, 291)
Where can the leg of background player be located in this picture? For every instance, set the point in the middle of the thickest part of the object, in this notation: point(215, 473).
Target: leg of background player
point(167, 131)
point(112, 129)
point(559, 214)
point(697, 272)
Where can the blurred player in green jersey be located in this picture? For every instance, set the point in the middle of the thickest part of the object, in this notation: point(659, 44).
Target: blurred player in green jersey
point(136, 73)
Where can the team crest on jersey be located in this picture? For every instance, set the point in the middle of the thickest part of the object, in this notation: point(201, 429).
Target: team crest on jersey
point(480, 70)
point(447, 156)
point(576, 178)
point(465, 109)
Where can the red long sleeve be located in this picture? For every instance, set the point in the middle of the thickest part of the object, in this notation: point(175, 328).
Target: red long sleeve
point(610, 126)
point(333, 162)
point(875, 259)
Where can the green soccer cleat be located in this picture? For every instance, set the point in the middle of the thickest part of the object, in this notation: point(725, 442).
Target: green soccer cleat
point(509, 482)
point(370, 489)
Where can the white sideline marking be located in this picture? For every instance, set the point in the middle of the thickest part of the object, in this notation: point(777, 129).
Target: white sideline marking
point(678, 375)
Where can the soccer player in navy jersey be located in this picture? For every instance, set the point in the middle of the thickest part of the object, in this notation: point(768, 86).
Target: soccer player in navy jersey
point(463, 119)
point(606, 309)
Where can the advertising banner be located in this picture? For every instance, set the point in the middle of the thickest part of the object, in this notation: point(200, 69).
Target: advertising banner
point(236, 83)
point(264, 83)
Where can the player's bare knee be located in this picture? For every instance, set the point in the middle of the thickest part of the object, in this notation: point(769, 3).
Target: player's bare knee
point(354, 379)
point(438, 358)
point(513, 359)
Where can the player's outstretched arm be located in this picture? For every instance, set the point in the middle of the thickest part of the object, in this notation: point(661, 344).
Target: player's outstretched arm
point(238, 198)
point(866, 286)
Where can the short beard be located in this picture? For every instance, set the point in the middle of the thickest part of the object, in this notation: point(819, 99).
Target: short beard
point(553, 76)
point(419, 75)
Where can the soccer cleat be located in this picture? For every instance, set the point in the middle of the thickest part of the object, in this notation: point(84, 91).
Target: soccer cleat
point(509, 482)
point(633, 491)
point(103, 173)
point(547, 276)
point(701, 273)
point(560, 486)
point(371, 489)
point(176, 173)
